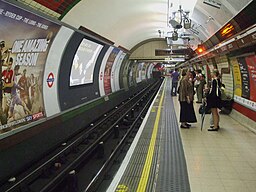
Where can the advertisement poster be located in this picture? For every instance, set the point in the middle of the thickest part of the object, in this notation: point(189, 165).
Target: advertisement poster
point(116, 71)
point(143, 71)
point(244, 69)
point(25, 41)
point(245, 77)
point(139, 73)
point(115, 78)
point(123, 77)
point(122, 62)
point(134, 73)
point(237, 78)
point(251, 64)
point(150, 69)
point(84, 62)
point(129, 72)
point(101, 71)
point(107, 71)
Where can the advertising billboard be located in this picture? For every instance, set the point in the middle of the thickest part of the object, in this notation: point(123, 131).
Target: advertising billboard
point(244, 69)
point(101, 72)
point(149, 70)
point(108, 69)
point(84, 62)
point(139, 73)
point(115, 72)
point(25, 42)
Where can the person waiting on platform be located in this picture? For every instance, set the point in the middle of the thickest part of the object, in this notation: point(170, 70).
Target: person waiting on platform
point(186, 97)
point(213, 99)
point(199, 85)
point(175, 79)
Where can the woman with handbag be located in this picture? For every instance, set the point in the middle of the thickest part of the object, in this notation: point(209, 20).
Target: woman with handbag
point(213, 99)
point(186, 97)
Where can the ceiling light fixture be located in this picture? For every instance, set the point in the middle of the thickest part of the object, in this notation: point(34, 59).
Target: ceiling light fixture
point(180, 19)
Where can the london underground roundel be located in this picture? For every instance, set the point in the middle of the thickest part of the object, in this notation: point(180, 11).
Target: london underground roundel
point(50, 80)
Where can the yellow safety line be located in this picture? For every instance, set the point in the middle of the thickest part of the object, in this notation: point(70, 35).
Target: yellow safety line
point(145, 173)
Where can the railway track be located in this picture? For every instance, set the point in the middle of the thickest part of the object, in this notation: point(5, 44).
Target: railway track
point(85, 160)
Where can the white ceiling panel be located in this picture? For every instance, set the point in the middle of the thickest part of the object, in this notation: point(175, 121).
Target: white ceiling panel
point(129, 22)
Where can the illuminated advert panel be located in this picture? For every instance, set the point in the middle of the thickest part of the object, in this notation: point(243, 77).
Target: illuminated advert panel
point(84, 62)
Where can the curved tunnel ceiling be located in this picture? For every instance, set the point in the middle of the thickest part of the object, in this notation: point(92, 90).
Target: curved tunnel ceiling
point(129, 22)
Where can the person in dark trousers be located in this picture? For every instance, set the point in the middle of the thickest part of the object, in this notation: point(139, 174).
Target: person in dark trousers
point(175, 79)
point(186, 97)
point(213, 99)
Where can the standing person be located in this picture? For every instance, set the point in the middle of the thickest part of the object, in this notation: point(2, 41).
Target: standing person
point(186, 97)
point(200, 89)
point(175, 79)
point(203, 84)
point(199, 86)
point(214, 99)
point(192, 76)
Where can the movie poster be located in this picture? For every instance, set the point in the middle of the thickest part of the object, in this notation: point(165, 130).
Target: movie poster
point(25, 41)
point(108, 69)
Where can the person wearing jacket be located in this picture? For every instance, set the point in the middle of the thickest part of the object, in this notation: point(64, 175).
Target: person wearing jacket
point(186, 97)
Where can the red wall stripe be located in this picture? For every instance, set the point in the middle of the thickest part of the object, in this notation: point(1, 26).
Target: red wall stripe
point(245, 111)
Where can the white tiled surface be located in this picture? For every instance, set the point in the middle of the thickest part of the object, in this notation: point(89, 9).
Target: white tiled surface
point(223, 161)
